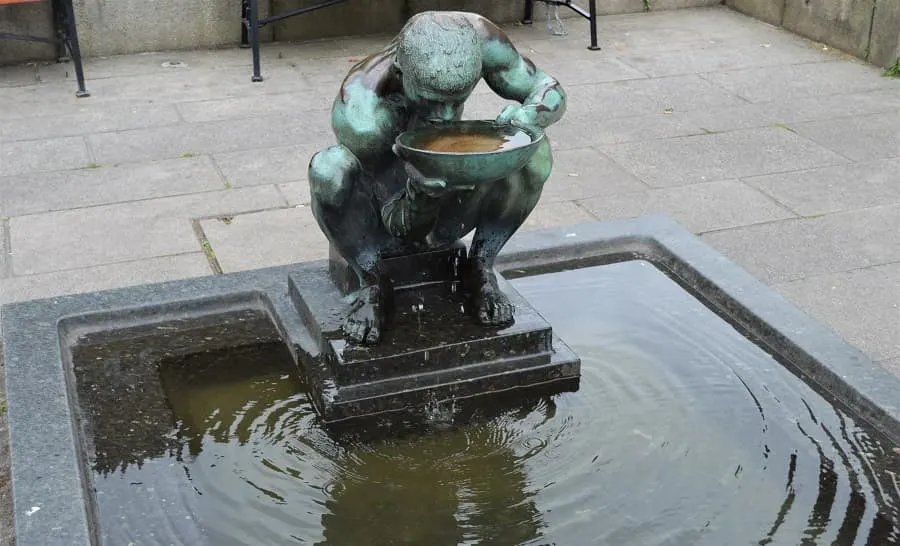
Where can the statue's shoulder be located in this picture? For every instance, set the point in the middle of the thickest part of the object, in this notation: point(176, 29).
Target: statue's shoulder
point(374, 74)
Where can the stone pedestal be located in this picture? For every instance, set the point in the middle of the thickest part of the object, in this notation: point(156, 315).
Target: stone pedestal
point(432, 349)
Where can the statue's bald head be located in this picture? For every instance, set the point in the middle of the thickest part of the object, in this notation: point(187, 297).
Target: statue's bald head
point(439, 52)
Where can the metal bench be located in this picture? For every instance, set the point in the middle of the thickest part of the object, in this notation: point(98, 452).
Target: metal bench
point(251, 23)
point(66, 38)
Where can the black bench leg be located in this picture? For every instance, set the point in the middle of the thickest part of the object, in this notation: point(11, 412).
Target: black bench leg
point(71, 41)
point(592, 9)
point(254, 39)
point(245, 18)
point(529, 12)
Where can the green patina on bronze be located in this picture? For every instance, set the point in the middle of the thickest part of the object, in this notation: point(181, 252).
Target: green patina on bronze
point(369, 194)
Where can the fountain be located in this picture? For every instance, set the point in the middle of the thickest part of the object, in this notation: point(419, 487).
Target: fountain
point(410, 389)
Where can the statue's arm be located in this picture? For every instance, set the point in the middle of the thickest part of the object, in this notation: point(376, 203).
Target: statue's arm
point(364, 123)
point(514, 77)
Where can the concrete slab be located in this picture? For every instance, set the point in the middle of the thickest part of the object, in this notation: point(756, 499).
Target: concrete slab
point(861, 304)
point(123, 232)
point(585, 172)
point(35, 156)
point(269, 165)
point(844, 24)
point(790, 250)
point(264, 239)
point(104, 277)
point(834, 189)
point(710, 157)
point(86, 187)
point(198, 138)
point(860, 138)
point(554, 214)
point(892, 365)
point(570, 132)
point(792, 110)
point(90, 118)
point(296, 193)
point(645, 97)
point(718, 57)
point(698, 207)
point(600, 68)
point(778, 83)
point(292, 104)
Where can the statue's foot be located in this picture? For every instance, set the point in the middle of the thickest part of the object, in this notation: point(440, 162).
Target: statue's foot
point(491, 306)
point(364, 322)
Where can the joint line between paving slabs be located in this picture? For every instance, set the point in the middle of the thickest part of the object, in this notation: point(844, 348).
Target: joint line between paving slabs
point(5, 249)
point(206, 247)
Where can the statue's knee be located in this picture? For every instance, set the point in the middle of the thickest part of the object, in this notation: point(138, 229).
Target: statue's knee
point(539, 167)
point(332, 173)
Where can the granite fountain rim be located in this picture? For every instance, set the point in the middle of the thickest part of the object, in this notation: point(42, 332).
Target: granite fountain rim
point(50, 497)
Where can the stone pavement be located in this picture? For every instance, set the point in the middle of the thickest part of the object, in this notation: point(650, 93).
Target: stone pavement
point(779, 153)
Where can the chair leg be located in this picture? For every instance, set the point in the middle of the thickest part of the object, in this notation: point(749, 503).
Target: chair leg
point(529, 12)
point(245, 18)
point(592, 9)
point(71, 41)
point(254, 39)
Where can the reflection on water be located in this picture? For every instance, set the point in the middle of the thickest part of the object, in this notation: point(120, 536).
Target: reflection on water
point(683, 433)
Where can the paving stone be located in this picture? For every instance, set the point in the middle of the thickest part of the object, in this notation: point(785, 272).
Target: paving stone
point(863, 306)
point(585, 172)
point(556, 213)
point(892, 365)
point(197, 138)
point(710, 157)
point(778, 83)
point(104, 277)
point(698, 207)
point(123, 232)
point(716, 57)
point(42, 192)
point(291, 104)
point(91, 118)
point(789, 111)
point(792, 249)
point(598, 69)
point(269, 165)
point(35, 156)
point(296, 193)
point(570, 132)
point(834, 189)
point(644, 97)
point(860, 138)
point(268, 238)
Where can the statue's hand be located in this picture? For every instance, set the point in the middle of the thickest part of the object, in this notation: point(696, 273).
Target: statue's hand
point(518, 115)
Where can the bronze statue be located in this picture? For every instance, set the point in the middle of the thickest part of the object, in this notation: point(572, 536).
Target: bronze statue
point(373, 205)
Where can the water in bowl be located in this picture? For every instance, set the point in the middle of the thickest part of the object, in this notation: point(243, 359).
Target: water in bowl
point(683, 433)
point(453, 141)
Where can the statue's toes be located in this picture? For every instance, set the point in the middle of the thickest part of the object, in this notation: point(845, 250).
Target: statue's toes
point(373, 336)
point(355, 330)
point(503, 313)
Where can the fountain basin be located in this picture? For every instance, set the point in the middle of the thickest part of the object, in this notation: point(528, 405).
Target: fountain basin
point(770, 409)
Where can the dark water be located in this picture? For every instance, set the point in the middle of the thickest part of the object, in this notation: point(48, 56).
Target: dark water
point(683, 433)
point(472, 142)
